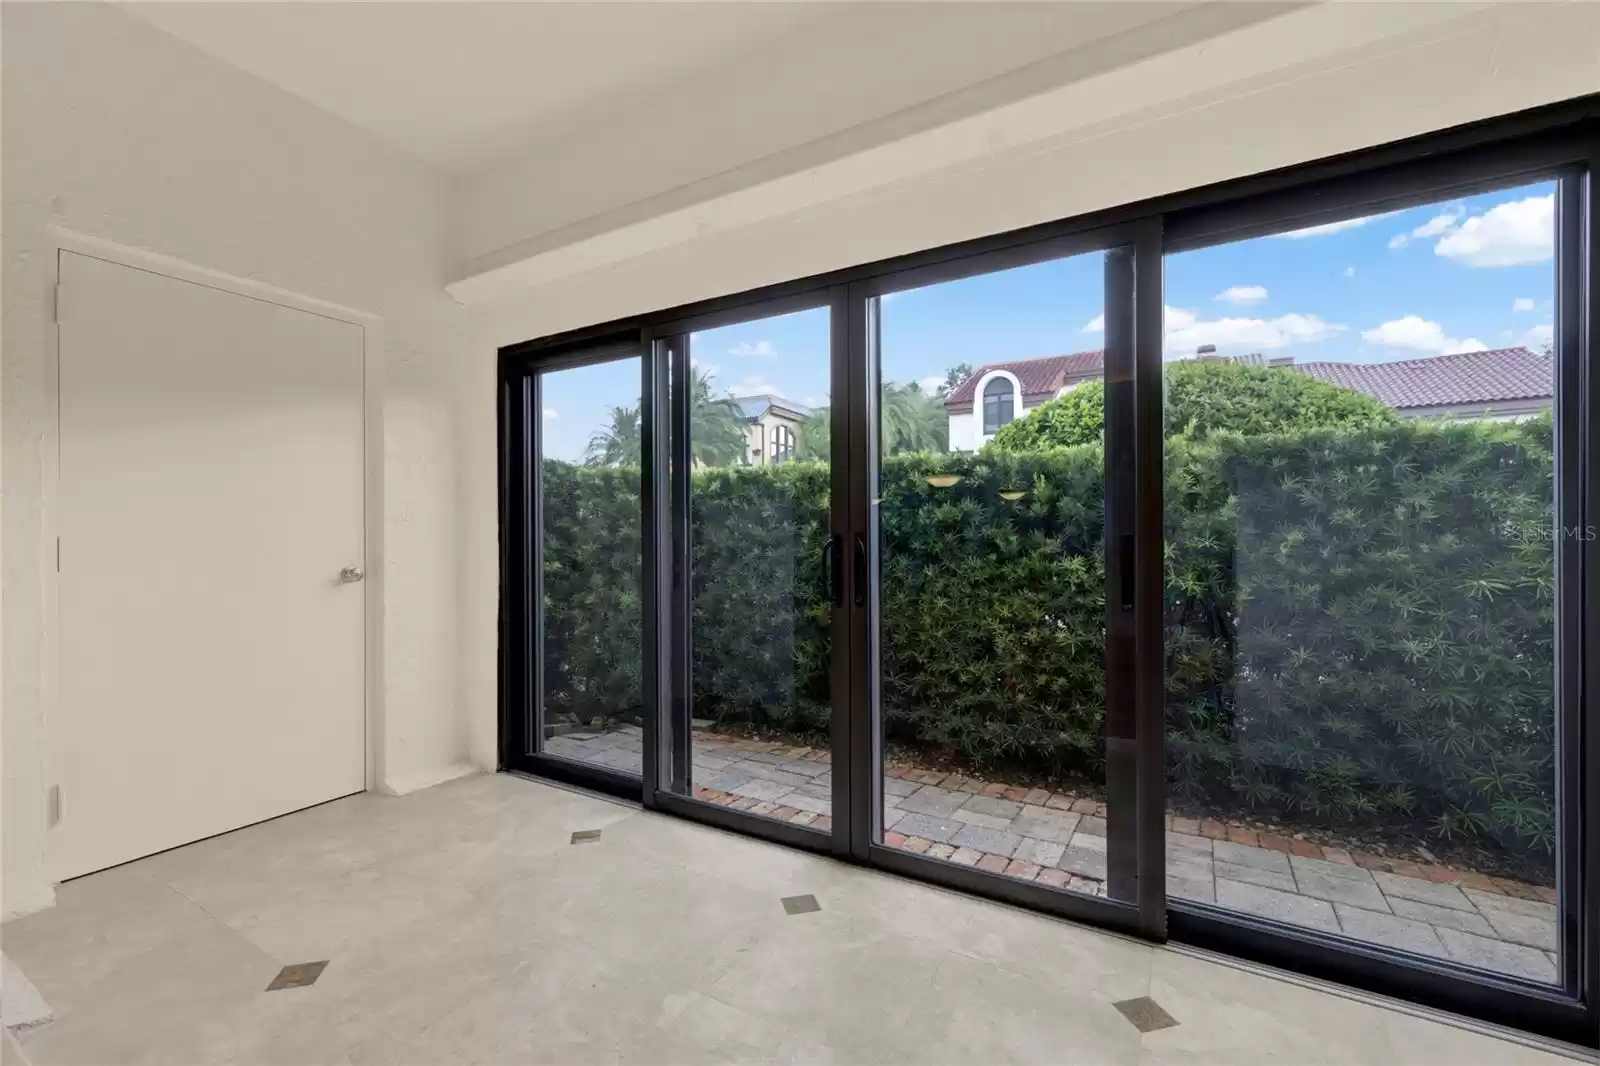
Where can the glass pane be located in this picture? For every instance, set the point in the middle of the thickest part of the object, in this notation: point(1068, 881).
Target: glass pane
point(589, 437)
point(1360, 610)
point(993, 621)
point(759, 496)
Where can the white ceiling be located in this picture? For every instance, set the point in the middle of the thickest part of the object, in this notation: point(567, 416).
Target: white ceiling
point(458, 84)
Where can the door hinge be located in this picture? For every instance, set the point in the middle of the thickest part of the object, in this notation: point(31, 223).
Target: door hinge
point(53, 816)
point(58, 555)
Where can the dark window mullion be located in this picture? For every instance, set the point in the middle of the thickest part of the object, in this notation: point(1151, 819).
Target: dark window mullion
point(1149, 647)
point(1122, 770)
point(656, 569)
point(1577, 345)
point(680, 634)
point(849, 803)
point(856, 477)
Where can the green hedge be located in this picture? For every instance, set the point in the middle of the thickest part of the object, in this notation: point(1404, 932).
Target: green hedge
point(592, 574)
point(1359, 623)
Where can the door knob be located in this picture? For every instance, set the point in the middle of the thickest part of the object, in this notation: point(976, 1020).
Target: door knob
point(350, 575)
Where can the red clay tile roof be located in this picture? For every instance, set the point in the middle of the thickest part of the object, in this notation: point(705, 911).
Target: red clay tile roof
point(1040, 377)
point(1445, 380)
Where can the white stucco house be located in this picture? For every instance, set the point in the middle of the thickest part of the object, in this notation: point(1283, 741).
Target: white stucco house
point(773, 425)
point(997, 393)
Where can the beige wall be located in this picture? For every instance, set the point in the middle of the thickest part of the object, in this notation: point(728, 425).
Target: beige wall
point(116, 130)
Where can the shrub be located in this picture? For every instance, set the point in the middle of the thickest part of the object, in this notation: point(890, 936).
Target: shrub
point(1359, 624)
point(592, 572)
point(760, 653)
point(1203, 398)
point(1360, 628)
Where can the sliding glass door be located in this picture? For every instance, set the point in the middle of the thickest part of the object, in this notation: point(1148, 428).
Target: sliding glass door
point(1220, 568)
point(577, 560)
point(753, 583)
point(1364, 656)
point(1375, 524)
point(998, 599)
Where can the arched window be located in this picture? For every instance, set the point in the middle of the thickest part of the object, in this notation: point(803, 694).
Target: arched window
point(997, 405)
point(782, 444)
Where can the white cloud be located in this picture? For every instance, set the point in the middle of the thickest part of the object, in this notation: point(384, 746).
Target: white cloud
point(1097, 324)
point(1419, 334)
point(931, 383)
point(1539, 336)
point(708, 369)
point(1242, 294)
point(758, 350)
point(1521, 303)
point(1508, 234)
point(1327, 228)
point(1187, 331)
point(551, 412)
point(1349, 272)
point(1438, 225)
point(1237, 336)
point(1434, 227)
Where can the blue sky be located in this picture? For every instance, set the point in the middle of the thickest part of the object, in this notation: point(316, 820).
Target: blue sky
point(1452, 276)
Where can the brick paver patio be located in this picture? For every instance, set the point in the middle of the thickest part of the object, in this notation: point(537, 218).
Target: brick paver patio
point(1059, 840)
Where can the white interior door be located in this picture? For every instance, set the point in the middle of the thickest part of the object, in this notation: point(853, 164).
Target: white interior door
point(211, 659)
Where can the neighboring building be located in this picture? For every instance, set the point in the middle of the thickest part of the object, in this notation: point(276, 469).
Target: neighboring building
point(996, 393)
point(773, 427)
point(1503, 384)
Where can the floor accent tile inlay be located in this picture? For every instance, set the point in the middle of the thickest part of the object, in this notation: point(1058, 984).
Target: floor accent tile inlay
point(1145, 1014)
point(299, 975)
point(584, 836)
point(800, 904)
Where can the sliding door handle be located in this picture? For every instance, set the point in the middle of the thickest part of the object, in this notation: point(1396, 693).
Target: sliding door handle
point(833, 563)
point(860, 577)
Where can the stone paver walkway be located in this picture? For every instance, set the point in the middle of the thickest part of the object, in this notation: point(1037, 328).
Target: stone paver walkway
point(1059, 839)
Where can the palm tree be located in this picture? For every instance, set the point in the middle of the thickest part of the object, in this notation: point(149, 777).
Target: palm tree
point(618, 444)
point(716, 424)
point(716, 430)
point(816, 436)
point(911, 420)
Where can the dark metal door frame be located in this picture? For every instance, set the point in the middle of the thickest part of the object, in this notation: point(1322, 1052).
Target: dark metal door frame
point(1135, 781)
point(669, 590)
point(521, 660)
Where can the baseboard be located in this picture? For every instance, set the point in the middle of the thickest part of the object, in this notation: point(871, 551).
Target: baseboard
point(399, 786)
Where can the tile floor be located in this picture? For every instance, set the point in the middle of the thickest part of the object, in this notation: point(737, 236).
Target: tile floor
point(1060, 841)
point(461, 924)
